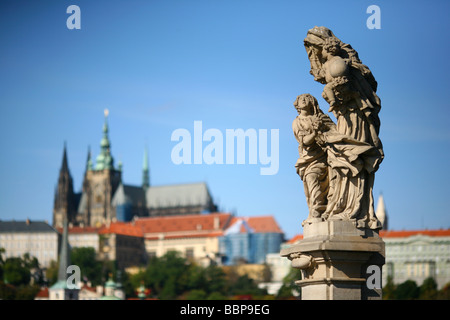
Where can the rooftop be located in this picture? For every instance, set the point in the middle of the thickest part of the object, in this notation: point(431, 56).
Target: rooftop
point(256, 224)
point(178, 195)
point(122, 228)
point(180, 223)
point(25, 226)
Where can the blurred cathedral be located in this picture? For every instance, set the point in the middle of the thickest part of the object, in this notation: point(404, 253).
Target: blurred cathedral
point(105, 198)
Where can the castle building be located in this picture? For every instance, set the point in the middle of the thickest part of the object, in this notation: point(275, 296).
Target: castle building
point(216, 238)
point(417, 255)
point(105, 198)
point(36, 238)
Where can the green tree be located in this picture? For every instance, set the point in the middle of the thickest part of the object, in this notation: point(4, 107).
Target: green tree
point(26, 292)
point(216, 296)
point(16, 272)
point(90, 267)
point(407, 290)
point(289, 286)
point(2, 262)
point(389, 290)
point(244, 285)
point(196, 294)
point(128, 285)
point(7, 291)
point(109, 269)
point(428, 289)
point(444, 293)
point(166, 276)
point(195, 278)
point(52, 273)
point(216, 280)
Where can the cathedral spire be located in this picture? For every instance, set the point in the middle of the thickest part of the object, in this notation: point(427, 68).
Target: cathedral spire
point(104, 159)
point(145, 170)
point(64, 201)
point(64, 165)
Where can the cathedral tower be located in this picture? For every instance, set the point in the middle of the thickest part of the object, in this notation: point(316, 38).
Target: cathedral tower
point(100, 183)
point(64, 202)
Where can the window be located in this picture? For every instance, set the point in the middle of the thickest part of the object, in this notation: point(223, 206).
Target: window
point(189, 253)
point(151, 254)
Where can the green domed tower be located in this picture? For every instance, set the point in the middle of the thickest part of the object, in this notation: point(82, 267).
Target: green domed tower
point(100, 184)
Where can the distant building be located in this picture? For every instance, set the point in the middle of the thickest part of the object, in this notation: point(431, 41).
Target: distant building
point(43, 294)
point(105, 198)
point(87, 292)
point(113, 291)
point(37, 238)
point(195, 236)
point(279, 269)
point(250, 239)
point(123, 243)
point(82, 236)
point(417, 255)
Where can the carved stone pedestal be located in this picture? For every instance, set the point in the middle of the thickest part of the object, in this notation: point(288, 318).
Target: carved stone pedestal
point(338, 261)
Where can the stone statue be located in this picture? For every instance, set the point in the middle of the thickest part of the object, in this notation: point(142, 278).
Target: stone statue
point(338, 162)
point(341, 251)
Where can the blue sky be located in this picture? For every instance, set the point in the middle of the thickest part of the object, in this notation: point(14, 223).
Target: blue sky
point(161, 65)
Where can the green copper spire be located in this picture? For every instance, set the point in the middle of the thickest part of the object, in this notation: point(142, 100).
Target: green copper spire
point(104, 159)
point(145, 171)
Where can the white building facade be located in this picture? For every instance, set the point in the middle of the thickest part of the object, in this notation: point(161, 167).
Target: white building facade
point(417, 255)
point(37, 238)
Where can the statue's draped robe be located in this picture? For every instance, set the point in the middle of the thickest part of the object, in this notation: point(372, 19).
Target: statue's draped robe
point(350, 196)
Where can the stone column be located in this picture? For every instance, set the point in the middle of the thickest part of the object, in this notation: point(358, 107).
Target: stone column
point(338, 261)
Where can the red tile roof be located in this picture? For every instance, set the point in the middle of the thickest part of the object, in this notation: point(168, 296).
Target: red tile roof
point(259, 224)
point(184, 223)
point(88, 288)
point(296, 238)
point(186, 235)
point(122, 228)
point(43, 293)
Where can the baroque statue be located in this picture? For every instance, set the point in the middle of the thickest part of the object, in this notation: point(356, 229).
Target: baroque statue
point(337, 161)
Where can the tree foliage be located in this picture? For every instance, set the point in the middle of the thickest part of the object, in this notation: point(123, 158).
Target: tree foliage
point(16, 275)
point(174, 277)
point(409, 290)
point(90, 267)
point(289, 287)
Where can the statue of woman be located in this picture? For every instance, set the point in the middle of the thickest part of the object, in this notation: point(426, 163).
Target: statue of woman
point(311, 165)
point(350, 89)
point(327, 157)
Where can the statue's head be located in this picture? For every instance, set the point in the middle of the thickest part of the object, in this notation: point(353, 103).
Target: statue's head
point(306, 102)
point(332, 45)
